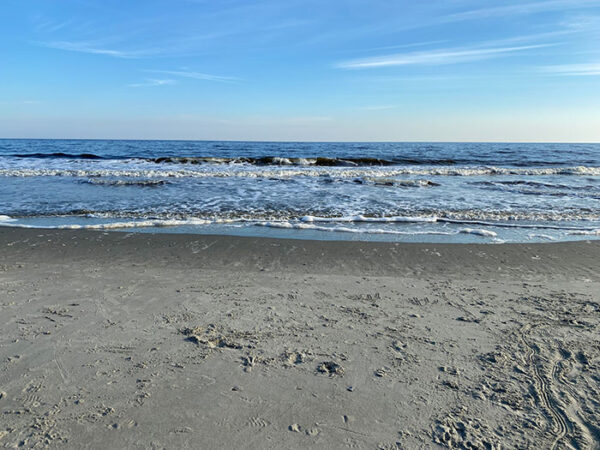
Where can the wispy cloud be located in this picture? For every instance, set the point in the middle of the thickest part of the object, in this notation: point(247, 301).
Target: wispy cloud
point(574, 70)
point(586, 23)
point(86, 47)
point(195, 75)
point(50, 26)
point(410, 79)
point(402, 46)
point(152, 82)
point(436, 57)
point(520, 9)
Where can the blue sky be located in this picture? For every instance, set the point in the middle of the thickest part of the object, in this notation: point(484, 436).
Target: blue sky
point(353, 70)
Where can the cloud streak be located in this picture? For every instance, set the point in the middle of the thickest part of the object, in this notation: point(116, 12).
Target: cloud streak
point(574, 70)
point(520, 9)
point(196, 75)
point(436, 57)
point(51, 26)
point(152, 82)
point(86, 47)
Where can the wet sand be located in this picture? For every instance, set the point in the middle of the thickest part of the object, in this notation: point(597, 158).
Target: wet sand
point(115, 340)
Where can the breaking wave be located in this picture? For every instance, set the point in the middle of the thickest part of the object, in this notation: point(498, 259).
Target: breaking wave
point(303, 172)
point(434, 219)
point(308, 161)
point(57, 155)
point(339, 229)
point(141, 183)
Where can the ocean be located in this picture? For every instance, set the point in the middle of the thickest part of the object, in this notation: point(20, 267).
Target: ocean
point(409, 192)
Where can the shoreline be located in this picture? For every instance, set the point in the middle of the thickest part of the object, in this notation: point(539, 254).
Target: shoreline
point(116, 339)
point(346, 257)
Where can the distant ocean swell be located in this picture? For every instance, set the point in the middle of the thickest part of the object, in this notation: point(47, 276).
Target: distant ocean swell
point(319, 161)
point(259, 161)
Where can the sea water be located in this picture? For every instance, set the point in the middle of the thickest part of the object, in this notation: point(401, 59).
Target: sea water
point(413, 192)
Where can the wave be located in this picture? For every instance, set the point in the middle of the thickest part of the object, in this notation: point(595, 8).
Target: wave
point(546, 237)
point(339, 229)
point(318, 161)
point(58, 155)
point(141, 183)
point(378, 181)
point(383, 159)
point(322, 161)
point(472, 217)
point(121, 225)
point(339, 172)
point(595, 232)
point(537, 184)
point(434, 219)
point(285, 225)
point(534, 186)
point(313, 223)
point(361, 218)
point(309, 222)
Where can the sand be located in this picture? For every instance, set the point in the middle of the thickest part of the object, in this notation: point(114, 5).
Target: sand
point(115, 340)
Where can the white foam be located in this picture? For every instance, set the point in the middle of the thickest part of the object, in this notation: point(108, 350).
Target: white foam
point(111, 182)
point(586, 232)
point(541, 236)
point(282, 161)
point(341, 229)
point(479, 232)
point(7, 221)
point(361, 218)
point(129, 224)
point(311, 223)
point(511, 225)
point(379, 181)
point(294, 171)
point(433, 219)
point(137, 224)
point(20, 225)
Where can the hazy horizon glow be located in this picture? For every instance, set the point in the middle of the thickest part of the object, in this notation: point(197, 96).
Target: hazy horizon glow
point(301, 70)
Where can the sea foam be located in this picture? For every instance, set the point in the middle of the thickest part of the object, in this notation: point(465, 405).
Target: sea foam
point(261, 172)
point(342, 229)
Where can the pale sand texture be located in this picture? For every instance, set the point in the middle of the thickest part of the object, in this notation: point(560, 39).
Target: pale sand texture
point(178, 341)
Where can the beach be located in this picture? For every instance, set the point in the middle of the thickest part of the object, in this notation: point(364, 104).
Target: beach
point(300, 225)
point(140, 340)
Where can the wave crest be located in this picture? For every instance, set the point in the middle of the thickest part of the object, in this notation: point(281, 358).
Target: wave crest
point(339, 172)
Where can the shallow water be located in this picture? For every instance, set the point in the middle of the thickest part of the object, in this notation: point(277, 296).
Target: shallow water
point(377, 191)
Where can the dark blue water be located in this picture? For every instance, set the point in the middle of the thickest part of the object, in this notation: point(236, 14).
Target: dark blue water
point(454, 192)
point(492, 154)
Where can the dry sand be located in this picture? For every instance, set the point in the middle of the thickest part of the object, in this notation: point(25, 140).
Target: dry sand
point(184, 341)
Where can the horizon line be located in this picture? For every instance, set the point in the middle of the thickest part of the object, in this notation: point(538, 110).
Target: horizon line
point(411, 141)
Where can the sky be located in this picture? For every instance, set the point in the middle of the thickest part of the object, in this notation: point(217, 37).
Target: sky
point(301, 70)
